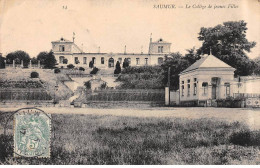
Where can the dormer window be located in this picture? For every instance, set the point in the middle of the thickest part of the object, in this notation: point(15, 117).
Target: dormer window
point(62, 48)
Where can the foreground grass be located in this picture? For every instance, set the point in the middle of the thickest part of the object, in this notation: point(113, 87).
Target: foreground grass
point(90, 139)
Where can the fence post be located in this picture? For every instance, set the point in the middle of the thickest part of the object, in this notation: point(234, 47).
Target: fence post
point(167, 96)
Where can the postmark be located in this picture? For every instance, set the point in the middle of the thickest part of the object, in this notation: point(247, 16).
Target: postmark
point(32, 132)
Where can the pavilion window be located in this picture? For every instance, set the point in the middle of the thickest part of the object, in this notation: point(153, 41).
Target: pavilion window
point(205, 88)
point(102, 60)
point(227, 85)
point(84, 60)
point(146, 61)
point(195, 89)
point(188, 89)
point(137, 61)
point(76, 60)
point(182, 90)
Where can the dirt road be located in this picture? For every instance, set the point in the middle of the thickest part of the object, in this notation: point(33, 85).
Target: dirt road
point(248, 116)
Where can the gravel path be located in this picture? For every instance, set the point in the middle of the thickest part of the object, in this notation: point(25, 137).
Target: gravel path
point(248, 116)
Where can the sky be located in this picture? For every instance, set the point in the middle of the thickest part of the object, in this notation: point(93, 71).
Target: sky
point(31, 25)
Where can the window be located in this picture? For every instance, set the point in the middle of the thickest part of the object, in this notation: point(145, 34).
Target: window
point(129, 60)
point(137, 61)
point(120, 60)
point(160, 49)
point(195, 79)
point(188, 89)
point(61, 58)
point(146, 61)
point(76, 60)
point(62, 48)
point(160, 60)
point(182, 82)
point(188, 80)
point(102, 60)
point(84, 60)
point(195, 88)
point(205, 88)
point(182, 90)
point(227, 85)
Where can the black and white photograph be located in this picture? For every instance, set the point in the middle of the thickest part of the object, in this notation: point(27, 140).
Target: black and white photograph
point(129, 82)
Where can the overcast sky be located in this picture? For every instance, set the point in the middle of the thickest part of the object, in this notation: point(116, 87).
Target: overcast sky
point(31, 25)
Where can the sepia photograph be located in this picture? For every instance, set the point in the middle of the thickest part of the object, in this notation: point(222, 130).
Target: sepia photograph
point(129, 82)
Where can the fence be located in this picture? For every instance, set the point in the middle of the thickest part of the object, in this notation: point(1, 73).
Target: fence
point(127, 95)
point(246, 95)
point(22, 94)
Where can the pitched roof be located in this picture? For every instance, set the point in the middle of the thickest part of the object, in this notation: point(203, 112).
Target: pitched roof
point(160, 41)
point(209, 61)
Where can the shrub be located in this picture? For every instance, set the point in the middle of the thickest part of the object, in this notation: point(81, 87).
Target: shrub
point(103, 86)
point(65, 61)
point(125, 63)
point(87, 85)
point(94, 71)
point(34, 75)
point(56, 70)
point(91, 64)
point(81, 69)
point(118, 68)
point(70, 66)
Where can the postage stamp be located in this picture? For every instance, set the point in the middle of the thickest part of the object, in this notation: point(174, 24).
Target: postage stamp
point(32, 132)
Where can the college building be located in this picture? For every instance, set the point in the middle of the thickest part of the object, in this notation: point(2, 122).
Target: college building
point(67, 52)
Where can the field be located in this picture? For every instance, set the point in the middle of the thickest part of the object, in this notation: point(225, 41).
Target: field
point(108, 139)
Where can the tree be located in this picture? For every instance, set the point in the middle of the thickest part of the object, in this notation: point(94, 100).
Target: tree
point(94, 71)
point(34, 60)
point(118, 68)
point(47, 59)
point(177, 63)
point(228, 42)
point(125, 63)
point(91, 64)
point(2, 62)
point(18, 57)
point(70, 66)
point(191, 56)
point(81, 69)
point(34, 75)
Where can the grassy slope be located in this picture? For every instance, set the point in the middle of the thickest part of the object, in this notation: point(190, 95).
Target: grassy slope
point(89, 139)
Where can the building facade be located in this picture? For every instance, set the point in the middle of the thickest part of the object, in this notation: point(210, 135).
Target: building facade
point(67, 52)
point(207, 79)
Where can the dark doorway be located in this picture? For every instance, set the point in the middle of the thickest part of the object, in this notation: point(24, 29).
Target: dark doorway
point(215, 81)
point(111, 62)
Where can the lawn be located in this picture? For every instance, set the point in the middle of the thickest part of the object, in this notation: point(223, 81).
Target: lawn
point(106, 139)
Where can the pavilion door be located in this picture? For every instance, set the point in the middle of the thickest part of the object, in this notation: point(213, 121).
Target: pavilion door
point(214, 92)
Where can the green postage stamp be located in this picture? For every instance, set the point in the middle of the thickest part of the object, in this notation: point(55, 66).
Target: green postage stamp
point(32, 133)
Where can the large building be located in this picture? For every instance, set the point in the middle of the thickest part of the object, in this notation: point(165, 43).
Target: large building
point(67, 52)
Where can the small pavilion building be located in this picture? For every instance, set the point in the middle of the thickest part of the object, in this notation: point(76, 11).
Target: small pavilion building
point(205, 81)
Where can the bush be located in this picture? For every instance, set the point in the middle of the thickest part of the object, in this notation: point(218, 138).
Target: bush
point(87, 85)
point(34, 75)
point(118, 68)
point(70, 66)
point(94, 71)
point(91, 64)
point(56, 70)
point(81, 69)
point(65, 61)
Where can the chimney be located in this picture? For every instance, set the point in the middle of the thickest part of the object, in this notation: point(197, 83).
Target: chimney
point(125, 50)
point(99, 49)
point(141, 49)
